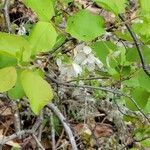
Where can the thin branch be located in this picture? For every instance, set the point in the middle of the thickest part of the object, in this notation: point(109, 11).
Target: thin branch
point(16, 117)
point(52, 132)
point(57, 112)
point(137, 44)
point(15, 135)
point(38, 142)
point(41, 126)
point(102, 89)
point(6, 15)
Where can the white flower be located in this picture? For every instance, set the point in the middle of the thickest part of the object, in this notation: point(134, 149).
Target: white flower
point(77, 69)
point(87, 50)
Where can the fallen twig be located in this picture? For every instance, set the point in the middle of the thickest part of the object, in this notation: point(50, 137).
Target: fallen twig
point(56, 111)
point(38, 142)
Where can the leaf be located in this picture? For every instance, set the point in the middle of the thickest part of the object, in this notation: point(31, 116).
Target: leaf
point(17, 92)
point(38, 91)
point(115, 6)
point(85, 26)
point(43, 8)
point(145, 7)
point(42, 37)
point(8, 77)
point(147, 107)
point(144, 80)
point(142, 28)
point(12, 44)
point(7, 60)
point(141, 96)
point(102, 49)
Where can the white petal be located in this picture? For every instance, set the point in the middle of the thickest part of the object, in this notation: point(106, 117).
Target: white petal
point(87, 50)
point(77, 69)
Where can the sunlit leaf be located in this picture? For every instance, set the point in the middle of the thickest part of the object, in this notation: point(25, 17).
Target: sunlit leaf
point(116, 6)
point(8, 77)
point(85, 26)
point(38, 91)
point(43, 8)
point(43, 37)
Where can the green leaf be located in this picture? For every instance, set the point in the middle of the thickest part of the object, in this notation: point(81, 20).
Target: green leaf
point(115, 6)
point(17, 92)
point(147, 107)
point(43, 8)
point(145, 7)
point(38, 91)
point(7, 60)
point(14, 44)
point(102, 49)
point(141, 96)
point(144, 80)
point(8, 77)
point(85, 26)
point(142, 28)
point(42, 37)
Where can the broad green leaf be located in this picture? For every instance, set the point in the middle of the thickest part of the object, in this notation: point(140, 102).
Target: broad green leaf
point(141, 96)
point(132, 82)
point(38, 91)
point(147, 107)
point(7, 60)
point(133, 56)
point(17, 91)
point(42, 38)
point(142, 28)
point(14, 44)
point(144, 80)
point(115, 6)
point(43, 8)
point(85, 26)
point(144, 4)
point(8, 77)
point(102, 49)
point(11, 43)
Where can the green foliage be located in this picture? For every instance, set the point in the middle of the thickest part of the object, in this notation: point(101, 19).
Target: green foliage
point(115, 6)
point(140, 96)
point(85, 26)
point(44, 9)
point(43, 37)
point(102, 49)
point(8, 77)
point(15, 45)
point(7, 60)
point(36, 89)
point(17, 91)
point(144, 80)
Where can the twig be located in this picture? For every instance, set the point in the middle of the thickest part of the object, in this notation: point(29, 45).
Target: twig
point(53, 132)
point(60, 138)
point(137, 44)
point(6, 15)
point(15, 135)
point(102, 89)
point(41, 126)
point(16, 117)
point(57, 112)
point(38, 142)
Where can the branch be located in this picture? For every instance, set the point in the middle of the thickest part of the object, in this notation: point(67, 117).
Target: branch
point(137, 44)
point(57, 112)
point(102, 89)
point(6, 15)
point(15, 135)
